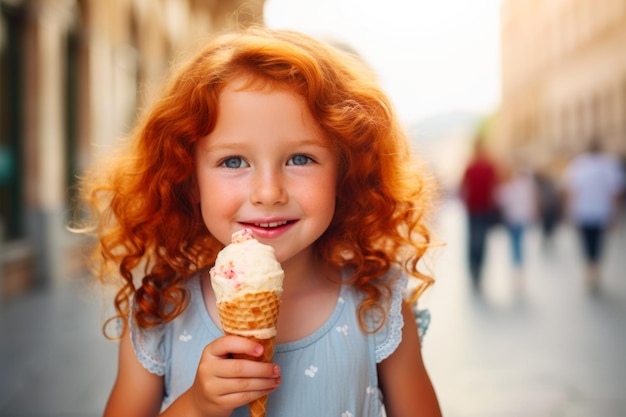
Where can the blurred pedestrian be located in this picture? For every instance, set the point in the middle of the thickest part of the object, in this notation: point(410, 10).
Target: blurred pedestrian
point(594, 183)
point(549, 205)
point(517, 201)
point(477, 191)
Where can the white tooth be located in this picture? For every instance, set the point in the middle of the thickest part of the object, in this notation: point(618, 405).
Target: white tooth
point(272, 224)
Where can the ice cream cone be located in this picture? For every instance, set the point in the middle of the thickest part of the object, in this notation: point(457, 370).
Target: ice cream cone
point(247, 282)
point(258, 407)
point(254, 316)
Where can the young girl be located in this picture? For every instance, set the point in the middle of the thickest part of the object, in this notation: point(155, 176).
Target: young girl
point(276, 132)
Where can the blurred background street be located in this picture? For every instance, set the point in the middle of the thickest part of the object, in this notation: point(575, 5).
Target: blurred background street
point(536, 344)
point(536, 82)
point(544, 347)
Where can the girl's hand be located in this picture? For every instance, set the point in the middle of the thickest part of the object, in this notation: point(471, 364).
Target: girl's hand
point(223, 384)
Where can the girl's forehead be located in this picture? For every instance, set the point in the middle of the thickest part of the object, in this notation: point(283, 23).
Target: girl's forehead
point(243, 93)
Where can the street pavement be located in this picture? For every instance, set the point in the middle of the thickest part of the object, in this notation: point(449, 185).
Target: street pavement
point(532, 343)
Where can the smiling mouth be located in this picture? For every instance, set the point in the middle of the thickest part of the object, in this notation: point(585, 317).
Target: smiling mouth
point(272, 224)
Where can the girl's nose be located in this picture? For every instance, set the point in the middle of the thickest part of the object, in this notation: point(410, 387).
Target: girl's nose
point(268, 188)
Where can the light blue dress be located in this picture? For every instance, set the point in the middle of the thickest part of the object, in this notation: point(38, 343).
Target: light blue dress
point(330, 373)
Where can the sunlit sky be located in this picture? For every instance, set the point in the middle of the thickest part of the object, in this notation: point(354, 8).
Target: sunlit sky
point(432, 56)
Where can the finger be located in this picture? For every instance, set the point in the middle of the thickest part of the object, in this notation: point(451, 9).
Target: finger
point(245, 368)
point(252, 388)
point(238, 398)
point(227, 346)
point(234, 357)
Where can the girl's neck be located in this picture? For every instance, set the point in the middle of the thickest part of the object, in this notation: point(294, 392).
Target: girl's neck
point(305, 271)
point(310, 292)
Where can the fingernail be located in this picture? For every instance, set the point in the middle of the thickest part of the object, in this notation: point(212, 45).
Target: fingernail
point(258, 350)
point(276, 370)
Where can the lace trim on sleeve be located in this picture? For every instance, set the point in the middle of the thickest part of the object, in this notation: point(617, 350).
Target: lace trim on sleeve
point(147, 344)
point(394, 322)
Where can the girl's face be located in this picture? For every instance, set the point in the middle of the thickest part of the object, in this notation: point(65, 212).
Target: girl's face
point(266, 166)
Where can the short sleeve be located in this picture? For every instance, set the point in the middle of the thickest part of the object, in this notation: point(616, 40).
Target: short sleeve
point(389, 337)
point(149, 346)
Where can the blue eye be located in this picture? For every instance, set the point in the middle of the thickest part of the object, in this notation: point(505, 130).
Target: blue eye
point(233, 162)
point(299, 160)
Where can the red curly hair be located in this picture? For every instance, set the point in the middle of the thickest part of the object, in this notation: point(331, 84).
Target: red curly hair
point(149, 226)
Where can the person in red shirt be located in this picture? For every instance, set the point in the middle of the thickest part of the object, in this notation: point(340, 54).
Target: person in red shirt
point(478, 186)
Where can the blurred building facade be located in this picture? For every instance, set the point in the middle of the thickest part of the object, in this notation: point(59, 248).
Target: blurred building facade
point(563, 78)
point(72, 74)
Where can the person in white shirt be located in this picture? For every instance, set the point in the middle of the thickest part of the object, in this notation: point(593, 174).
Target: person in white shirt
point(517, 200)
point(594, 182)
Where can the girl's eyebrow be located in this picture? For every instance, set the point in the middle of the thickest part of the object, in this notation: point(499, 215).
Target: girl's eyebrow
point(312, 141)
point(223, 143)
point(212, 146)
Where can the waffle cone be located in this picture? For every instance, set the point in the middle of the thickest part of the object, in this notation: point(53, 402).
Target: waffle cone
point(254, 311)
